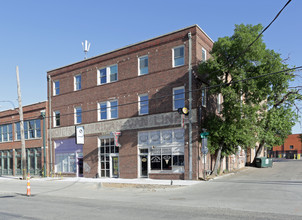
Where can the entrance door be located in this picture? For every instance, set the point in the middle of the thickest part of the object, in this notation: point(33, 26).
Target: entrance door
point(80, 167)
point(115, 165)
point(144, 166)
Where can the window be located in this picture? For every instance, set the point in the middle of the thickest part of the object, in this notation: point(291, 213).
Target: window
point(178, 98)
point(204, 55)
point(65, 163)
point(143, 65)
point(203, 97)
point(32, 129)
point(6, 133)
point(57, 122)
point(143, 102)
point(165, 148)
point(77, 83)
point(178, 56)
point(78, 115)
point(107, 74)
point(219, 103)
point(291, 147)
point(108, 110)
point(56, 87)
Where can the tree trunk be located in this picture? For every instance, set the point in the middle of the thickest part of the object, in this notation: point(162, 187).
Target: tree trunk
point(217, 162)
point(259, 150)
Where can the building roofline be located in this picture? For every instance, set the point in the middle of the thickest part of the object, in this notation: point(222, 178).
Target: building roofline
point(131, 45)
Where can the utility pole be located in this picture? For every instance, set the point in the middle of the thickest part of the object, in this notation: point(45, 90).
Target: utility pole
point(190, 106)
point(23, 153)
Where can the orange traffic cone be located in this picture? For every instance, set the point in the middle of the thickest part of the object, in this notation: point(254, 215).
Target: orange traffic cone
point(28, 186)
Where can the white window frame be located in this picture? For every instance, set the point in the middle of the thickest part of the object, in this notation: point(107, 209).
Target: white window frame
point(139, 65)
point(181, 87)
point(108, 74)
point(75, 115)
point(108, 112)
point(139, 104)
point(204, 51)
point(77, 86)
point(55, 118)
point(173, 57)
point(55, 88)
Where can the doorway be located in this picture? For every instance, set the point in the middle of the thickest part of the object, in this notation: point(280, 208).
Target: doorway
point(80, 167)
point(144, 166)
point(115, 167)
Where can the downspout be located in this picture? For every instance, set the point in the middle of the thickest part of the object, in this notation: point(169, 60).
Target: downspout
point(190, 105)
point(49, 129)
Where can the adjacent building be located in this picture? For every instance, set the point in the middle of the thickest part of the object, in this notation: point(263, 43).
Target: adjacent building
point(291, 149)
point(10, 140)
point(116, 114)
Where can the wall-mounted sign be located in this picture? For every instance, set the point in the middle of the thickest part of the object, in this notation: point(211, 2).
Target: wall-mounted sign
point(116, 135)
point(79, 134)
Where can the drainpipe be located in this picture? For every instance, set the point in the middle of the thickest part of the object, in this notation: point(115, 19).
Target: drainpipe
point(190, 105)
point(50, 117)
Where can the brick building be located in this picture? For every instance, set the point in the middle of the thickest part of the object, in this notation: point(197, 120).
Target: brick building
point(10, 140)
point(136, 91)
point(291, 149)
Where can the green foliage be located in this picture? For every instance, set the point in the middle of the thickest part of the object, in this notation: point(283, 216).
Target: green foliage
point(258, 110)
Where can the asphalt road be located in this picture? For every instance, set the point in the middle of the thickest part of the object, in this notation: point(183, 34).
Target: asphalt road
point(253, 193)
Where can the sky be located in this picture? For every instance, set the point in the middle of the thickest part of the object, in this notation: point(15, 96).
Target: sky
point(38, 36)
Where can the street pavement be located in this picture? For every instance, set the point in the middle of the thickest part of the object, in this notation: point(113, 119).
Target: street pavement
point(252, 193)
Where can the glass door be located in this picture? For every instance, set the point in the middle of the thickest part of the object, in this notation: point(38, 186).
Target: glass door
point(115, 166)
point(144, 165)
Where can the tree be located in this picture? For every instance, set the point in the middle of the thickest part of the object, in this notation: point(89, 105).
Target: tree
point(254, 110)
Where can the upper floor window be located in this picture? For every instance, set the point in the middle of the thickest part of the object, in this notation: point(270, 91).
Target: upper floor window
point(57, 121)
point(32, 129)
point(203, 97)
point(78, 115)
point(56, 87)
point(107, 74)
point(291, 147)
point(6, 133)
point(77, 82)
point(204, 54)
point(143, 65)
point(108, 110)
point(178, 56)
point(143, 104)
point(178, 98)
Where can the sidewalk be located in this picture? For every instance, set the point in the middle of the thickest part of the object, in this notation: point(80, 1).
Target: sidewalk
point(142, 181)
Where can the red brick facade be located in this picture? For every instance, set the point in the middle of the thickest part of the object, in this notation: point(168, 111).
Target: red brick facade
point(33, 141)
point(158, 84)
point(291, 149)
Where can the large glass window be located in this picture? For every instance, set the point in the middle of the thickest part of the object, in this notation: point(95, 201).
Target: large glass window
point(78, 115)
point(178, 56)
point(66, 163)
point(6, 160)
point(32, 129)
point(56, 87)
point(108, 74)
point(143, 102)
point(143, 65)
point(108, 110)
point(6, 133)
point(77, 82)
point(178, 98)
point(107, 147)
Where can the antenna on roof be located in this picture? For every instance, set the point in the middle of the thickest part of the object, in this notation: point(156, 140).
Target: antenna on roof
point(86, 46)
